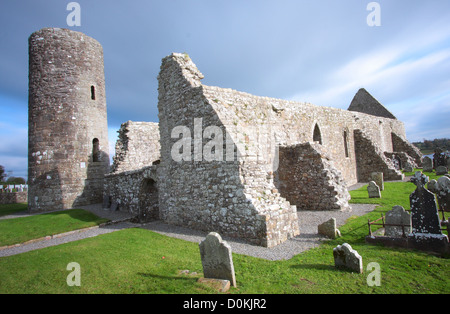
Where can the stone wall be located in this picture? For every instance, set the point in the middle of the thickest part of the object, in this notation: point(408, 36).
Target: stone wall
point(135, 192)
point(137, 146)
point(307, 178)
point(212, 195)
point(233, 191)
point(400, 144)
point(13, 198)
point(370, 158)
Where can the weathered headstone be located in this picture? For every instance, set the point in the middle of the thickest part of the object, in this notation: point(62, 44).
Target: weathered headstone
point(427, 163)
point(443, 193)
point(217, 260)
point(424, 213)
point(439, 158)
point(373, 190)
point(408, 167)
point(441, 170)
point(345, 256)
point(432, 186)
point(377, 177)
point(397, 216)
point(328, 228)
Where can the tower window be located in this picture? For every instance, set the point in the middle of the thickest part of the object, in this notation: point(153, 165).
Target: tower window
point(93, 92)
point(95, 150)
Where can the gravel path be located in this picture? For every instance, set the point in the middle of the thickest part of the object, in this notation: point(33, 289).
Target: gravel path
point(308, 238)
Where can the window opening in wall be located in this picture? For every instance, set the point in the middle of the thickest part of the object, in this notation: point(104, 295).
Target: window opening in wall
point(317, 137)
point(346, 143)
point(95, 150)
point(93, 92)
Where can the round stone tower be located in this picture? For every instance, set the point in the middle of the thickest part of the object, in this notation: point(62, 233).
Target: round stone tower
point(68, 133)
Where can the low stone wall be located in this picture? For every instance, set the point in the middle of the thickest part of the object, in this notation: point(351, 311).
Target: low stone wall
point(13, 198)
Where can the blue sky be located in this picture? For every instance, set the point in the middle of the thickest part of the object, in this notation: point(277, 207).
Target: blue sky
point(318, 51)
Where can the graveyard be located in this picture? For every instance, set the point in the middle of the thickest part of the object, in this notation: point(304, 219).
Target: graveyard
point(136, 260)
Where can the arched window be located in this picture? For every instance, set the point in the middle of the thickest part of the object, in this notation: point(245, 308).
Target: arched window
point(317, 136)
point(95, 150)
point(93, 92)
point(346, 143)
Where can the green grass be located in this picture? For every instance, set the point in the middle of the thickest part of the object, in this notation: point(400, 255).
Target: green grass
point(19, 230)
point(141, 261)
point(10, 209)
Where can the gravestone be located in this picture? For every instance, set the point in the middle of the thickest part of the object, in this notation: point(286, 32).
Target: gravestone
point(426, 228)
point(373, 190)
point(397, 216)
point(424, 213)
point(439, 158)
point(432, 186)
point(345, 256)
point(408, 167)
point(377, 177)
point(427, 163)
point(443, 193)
point(217, 260)
point(441, 170)
point(328, 228)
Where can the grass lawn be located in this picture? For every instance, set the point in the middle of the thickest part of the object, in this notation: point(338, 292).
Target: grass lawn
point(10, 209)
point(141, 261)
point(19, 230)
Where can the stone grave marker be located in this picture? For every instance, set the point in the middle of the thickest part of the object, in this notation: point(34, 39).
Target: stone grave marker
point(373, 190)
point(345, 256)
point(432, 186)
point(443, 193)
point(377, 177)
point(217, 260)
point(441, 170)
point(328, 228)
point(408, 167)
point(397, 216)
point(424, 213)
point(427, 163)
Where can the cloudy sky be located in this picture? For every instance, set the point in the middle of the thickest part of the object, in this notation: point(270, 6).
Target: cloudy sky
point(319, 51)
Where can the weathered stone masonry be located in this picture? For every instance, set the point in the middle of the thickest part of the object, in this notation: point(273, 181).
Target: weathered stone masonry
point(219, 160)
point(68, 133)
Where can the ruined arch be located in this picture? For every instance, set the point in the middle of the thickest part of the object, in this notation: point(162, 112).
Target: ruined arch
point(148, 200)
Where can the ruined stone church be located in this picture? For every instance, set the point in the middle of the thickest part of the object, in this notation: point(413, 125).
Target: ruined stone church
point(218, 160)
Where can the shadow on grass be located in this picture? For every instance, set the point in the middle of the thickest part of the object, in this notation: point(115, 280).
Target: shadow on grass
point(173, 277)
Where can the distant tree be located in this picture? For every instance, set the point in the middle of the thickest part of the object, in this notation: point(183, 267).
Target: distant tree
point(2, 173)
point(15, 180)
